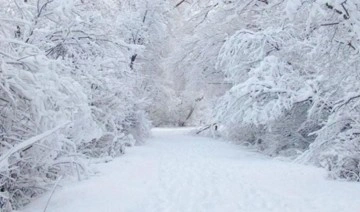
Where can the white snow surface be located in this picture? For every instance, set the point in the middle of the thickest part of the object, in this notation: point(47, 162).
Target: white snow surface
point(177, 172)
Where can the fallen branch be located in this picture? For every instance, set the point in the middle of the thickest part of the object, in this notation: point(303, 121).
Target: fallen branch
point(205, 128)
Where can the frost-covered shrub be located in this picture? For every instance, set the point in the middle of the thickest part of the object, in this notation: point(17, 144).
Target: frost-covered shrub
point(337, 145)
point(287, 135)
point(35, 99)
point(243, 134)
point(340, 155)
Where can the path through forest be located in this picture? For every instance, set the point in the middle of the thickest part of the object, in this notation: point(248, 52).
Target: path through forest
point(176, 172)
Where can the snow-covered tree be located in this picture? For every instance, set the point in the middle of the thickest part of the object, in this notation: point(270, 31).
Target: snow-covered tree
point(294, 69)
point(67, 92)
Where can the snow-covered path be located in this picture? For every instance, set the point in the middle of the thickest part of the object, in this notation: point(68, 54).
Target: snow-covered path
point(175, 172)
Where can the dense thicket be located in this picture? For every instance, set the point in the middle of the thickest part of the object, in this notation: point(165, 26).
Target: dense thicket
point(293, 68)
point(72, 87)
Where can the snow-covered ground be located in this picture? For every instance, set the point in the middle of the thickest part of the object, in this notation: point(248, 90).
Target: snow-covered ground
point(175, 172)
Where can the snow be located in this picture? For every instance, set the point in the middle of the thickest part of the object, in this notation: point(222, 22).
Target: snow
point(175, 171)
point(4, 157)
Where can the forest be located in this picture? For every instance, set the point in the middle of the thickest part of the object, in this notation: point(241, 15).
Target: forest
point(82, 81)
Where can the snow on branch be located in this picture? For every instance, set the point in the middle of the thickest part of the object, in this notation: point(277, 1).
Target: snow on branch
point(27, 143)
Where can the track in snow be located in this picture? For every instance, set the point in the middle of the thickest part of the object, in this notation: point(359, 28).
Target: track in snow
point(176, 172)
